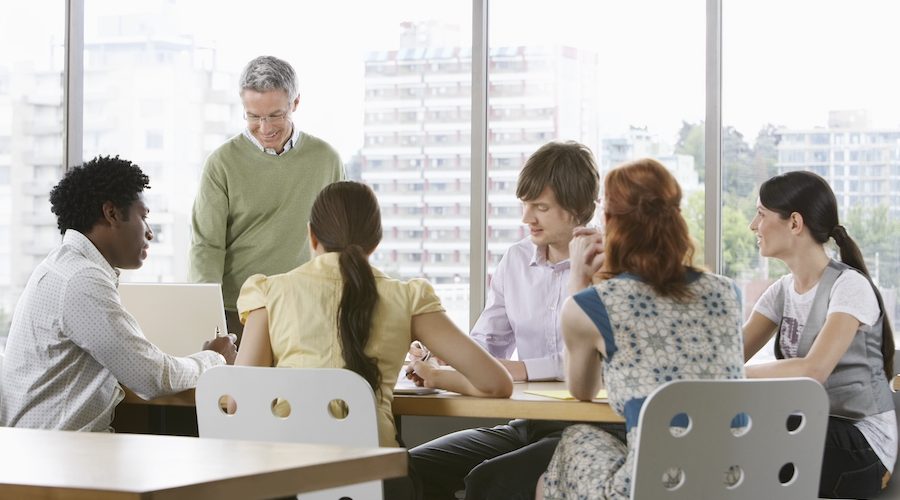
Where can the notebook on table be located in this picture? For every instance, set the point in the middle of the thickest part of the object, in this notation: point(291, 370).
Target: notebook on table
point(407, 387)
point(177, 317)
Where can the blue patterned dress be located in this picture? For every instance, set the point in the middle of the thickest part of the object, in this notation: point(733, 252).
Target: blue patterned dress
point(650, 340)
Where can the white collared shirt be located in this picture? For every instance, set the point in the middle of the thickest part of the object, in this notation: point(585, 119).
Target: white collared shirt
point(293, 142)
point(71, 343)
point(522, 310)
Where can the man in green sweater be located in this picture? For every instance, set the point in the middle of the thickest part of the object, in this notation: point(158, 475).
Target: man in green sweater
point(251, 211)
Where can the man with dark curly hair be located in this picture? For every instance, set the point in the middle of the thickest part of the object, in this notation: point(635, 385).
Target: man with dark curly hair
point(71, 343)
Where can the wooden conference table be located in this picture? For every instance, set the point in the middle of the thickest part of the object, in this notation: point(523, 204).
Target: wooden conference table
point(38, 464)
point(520, 405)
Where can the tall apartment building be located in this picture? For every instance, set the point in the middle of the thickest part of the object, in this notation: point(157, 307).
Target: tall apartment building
point(31, 149)
point(638, 142)
point(137, 84)
point(416, 153)
point(861, 163)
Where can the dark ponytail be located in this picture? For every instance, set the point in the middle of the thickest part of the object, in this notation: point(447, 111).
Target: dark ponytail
point(809, 195)
point(852, 256)
point(345, 218)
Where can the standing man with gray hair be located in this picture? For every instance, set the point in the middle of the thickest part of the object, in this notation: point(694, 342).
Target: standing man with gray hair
point(257, 189)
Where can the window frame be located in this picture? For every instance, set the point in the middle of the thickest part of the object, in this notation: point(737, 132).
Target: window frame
point(74, 132)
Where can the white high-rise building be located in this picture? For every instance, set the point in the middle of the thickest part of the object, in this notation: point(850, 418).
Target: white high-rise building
point(416, 154)
point(861, 164)
point(136, 84)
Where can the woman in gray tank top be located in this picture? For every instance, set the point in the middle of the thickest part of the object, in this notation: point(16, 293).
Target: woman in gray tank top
point(829, 324)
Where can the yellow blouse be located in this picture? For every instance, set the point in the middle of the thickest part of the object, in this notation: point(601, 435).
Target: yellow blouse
point(302, 305)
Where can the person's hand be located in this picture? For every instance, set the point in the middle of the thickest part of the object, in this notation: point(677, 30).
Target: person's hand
point(517, 369)
point(418, 351)
point(586, 255)
point(422, 373)
point(223, 345)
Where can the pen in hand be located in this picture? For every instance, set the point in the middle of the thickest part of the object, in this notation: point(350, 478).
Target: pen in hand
point(220, 334)
point(424, 355)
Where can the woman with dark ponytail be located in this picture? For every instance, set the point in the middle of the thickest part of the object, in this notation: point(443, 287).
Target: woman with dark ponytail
point(829, 322)
point(337, 311)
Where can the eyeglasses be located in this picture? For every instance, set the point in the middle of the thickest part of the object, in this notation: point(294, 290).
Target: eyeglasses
point(273, 119)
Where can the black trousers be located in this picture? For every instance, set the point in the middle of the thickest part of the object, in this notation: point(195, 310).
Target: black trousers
point(502, 462)
point(850, 468)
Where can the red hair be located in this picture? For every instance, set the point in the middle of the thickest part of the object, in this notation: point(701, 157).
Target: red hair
point(646, 234)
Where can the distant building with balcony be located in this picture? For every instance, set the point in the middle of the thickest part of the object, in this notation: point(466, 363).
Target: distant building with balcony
point(131, 99)
point(638, 142)
point(31, 150)
point(861, 164)
point(416, 154)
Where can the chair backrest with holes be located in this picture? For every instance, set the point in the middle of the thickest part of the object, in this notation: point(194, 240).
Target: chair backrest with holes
point(731, 439)
point(309, 411)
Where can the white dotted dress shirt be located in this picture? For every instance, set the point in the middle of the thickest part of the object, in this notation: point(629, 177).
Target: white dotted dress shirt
point(71, 343)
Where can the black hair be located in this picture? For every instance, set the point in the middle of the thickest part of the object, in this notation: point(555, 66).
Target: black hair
point(809, 195)
point(345, 218)
point(78, 199)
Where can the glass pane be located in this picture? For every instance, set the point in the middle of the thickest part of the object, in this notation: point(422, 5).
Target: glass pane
point(31, 141)
point(815, 93)
point(388, 87)
point(599, 79)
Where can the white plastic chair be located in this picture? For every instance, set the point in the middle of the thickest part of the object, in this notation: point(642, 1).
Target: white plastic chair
point(731, 439)
point(309, 394)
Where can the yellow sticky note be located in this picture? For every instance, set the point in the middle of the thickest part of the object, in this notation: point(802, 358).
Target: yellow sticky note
point(564, 394)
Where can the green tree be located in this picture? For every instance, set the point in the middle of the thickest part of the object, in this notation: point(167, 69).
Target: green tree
point(737, 164)
point(744, 168)
point(738, 242)
point(692, 141)
point(694, 211)
point(878, 237)
point(765, 153)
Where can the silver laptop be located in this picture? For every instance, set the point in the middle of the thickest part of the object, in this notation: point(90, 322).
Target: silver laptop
point(177, 317)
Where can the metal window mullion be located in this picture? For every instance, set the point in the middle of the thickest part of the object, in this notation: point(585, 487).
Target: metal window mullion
point(73, 85)
point(712, 251)
point(478, 214)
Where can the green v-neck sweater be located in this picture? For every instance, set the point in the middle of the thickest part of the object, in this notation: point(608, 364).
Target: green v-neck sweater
point(251, 211)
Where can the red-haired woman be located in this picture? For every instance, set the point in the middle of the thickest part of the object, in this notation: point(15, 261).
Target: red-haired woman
point(649, 318)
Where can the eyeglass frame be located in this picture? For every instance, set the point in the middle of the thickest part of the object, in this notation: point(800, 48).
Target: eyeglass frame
point(270, 119)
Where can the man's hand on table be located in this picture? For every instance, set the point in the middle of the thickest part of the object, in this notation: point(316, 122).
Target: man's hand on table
point(516, 369)
point(223, 345)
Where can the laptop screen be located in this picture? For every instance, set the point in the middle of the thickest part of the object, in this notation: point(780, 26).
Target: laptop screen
point(177, 317)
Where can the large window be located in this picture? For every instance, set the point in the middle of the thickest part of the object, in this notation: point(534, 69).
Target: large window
point(815, 93)
point(389, 84)
point(31, 144)
point(596, 79)
point(388, 87)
